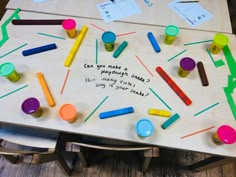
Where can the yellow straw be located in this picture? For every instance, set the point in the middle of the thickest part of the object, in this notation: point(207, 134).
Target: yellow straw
point(76, 45)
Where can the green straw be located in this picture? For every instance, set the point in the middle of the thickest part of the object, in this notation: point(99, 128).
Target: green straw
point(199, 42)
point(13, 91)
point(160, 99)
point(49, 35)
point(13, 50)
point(96, 51)
point(96, 109)
point(177, 55)
point(206, 109)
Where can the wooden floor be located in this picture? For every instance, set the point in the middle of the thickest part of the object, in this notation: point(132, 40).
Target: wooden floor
point(121, 164)
point(114, 164)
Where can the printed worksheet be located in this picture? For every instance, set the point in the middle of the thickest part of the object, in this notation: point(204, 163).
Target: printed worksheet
point(193, 13)
point(118, 9)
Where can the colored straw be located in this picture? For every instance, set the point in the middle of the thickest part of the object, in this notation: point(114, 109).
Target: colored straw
point(144, 66)
point(200, 131)
point(177, 55)
point(49, 35)
point(206, 109)
point(13, 50)
point(96, 109)
point(13, 91)
point(97, 27)
point(63, 86)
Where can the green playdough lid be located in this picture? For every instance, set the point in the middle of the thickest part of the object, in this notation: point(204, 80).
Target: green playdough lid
point(172, 30)
point(6, 69)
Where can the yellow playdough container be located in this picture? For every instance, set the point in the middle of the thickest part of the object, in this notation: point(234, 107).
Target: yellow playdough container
point(218, 43)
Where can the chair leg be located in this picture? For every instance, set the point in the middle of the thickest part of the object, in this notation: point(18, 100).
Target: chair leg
point(63, 165)
point(148, 154)
point(12, 159)
point(82, 159)
point(210, 162)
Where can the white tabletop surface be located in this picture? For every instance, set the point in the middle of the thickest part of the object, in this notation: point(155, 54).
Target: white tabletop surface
point(86, 96)
point(157, 14)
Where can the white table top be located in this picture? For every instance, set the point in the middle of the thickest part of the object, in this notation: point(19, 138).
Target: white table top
point(86, 96)
point(157, 14)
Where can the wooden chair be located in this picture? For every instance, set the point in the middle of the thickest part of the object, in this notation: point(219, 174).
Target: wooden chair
point(77, 143)
point(27, 145)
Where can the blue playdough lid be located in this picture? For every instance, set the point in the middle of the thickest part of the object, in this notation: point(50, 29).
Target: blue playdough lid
point(108, 37)
point(144, 127)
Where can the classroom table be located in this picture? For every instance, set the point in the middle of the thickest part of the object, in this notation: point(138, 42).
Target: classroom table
point(153, 12)
point(97, 82)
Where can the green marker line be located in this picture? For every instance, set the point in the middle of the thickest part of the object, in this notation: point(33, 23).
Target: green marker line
point(219, 63)
point(13, 91)
point(230, 60)
point(96, 109)
point(177, 55)
point(228, 90)
point(5, 36)
point(96, 51)
point(206, 109)
point(13, 50)
point(199, 42)
point(212, 59)
point(160, 99)
point(49, 35)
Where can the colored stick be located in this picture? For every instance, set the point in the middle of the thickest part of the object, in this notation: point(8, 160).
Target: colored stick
point(76, 46)
point(45, 89)
point(117, 112)
point(39, 49)
point(202, 74)
point(154, 43)
point(120, 49)
point(37, 22)
point(170, 121)
point(173, 85)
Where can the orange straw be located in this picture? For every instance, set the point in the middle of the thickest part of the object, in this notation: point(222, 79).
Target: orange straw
point(45, 89)
point(197, 132)
point(63, 86)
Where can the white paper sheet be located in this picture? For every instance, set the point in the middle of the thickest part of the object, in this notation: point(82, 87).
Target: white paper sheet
point(118, 9)
point(193, 13)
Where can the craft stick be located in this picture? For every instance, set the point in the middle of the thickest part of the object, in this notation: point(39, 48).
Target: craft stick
point(173, 85)
point(39, 49)
point(45, 89)
point(170, 121)
point(202, 74)
point(37, 22)
point(154, 43)
point(76, 46)
point(117, 112)
point(120, 49)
